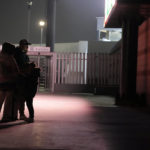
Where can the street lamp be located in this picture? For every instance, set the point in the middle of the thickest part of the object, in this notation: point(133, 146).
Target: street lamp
point(41, 24)
point(29, 5)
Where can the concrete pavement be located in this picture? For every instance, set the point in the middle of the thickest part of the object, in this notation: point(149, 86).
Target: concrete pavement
point(78, 122)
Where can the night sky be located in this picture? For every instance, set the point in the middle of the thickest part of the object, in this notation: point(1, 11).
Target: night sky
point(75, 19)
point(13, 24)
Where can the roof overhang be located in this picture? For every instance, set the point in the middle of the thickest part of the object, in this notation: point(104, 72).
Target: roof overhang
point(123, 9)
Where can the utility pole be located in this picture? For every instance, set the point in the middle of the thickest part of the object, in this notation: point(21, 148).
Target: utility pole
point(42, 24)
point(29, 4)
point(51, 19)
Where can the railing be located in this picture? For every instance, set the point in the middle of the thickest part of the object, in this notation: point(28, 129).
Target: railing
point(71, 70)
point(92, 68)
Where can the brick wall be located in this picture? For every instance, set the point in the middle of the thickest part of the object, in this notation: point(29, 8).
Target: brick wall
point(143, 58)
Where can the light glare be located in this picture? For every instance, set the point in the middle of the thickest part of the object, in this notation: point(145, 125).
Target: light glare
point(42, 23)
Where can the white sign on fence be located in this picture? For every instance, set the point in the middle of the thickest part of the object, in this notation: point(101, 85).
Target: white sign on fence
point(35, 48)
point(39, 48)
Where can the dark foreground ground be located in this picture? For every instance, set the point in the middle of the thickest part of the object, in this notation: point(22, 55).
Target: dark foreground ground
point(79, 122)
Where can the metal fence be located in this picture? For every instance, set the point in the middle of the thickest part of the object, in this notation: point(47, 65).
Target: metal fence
point(43, 60)
point(73, 70)
point(92, 68)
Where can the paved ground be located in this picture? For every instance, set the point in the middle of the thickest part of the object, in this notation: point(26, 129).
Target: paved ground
point(79, 122)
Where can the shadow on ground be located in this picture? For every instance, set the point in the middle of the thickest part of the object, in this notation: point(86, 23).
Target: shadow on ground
point(11, 124)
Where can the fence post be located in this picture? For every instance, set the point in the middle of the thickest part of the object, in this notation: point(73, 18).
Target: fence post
point(53, 81)
point(38, 64)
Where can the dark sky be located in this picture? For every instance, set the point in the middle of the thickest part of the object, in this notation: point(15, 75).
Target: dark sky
point(75, 19)
point(13, 24)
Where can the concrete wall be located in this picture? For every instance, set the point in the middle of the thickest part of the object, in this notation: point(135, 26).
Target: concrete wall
point(85, 46)
point(100, 47)
point(74, 47)
point(143, 67)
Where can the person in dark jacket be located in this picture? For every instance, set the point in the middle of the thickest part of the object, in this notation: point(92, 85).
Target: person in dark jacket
point(27, 85)
point(29, 88)
point(22, 60)
point(8, 76)
point(21, 53)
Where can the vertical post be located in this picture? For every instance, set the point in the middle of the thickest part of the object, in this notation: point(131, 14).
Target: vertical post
point(70, 69)
point(53, 63)
point(38, 67)
point(66, 68)
point(41, 35)
point(51, 18)
point(98, 77)
point(85, 60)
point(80, 74)
point(62, 67)
point(129, 59)
point(76, 68)
point(29, 4)
point(59, 71)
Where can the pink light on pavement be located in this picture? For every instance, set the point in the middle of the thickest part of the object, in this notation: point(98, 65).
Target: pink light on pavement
point(49, 107)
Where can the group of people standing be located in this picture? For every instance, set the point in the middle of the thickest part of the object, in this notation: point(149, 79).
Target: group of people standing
point(18, 82)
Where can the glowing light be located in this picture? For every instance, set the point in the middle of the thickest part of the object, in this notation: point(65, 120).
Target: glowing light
point(42, 23)
point(50, 107)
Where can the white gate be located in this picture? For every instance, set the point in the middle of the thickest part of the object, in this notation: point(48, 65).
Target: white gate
point(78, 71)
point(44, 60)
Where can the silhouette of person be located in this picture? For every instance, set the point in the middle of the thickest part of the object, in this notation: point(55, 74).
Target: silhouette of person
point(27, 86)
point(8, 77)
point(22, 60)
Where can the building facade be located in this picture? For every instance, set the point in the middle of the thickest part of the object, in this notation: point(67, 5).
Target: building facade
point(133, 17)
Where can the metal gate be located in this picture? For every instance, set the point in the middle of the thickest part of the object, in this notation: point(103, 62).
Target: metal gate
point(44, 61)
point(82, 72)
point(77, 72)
